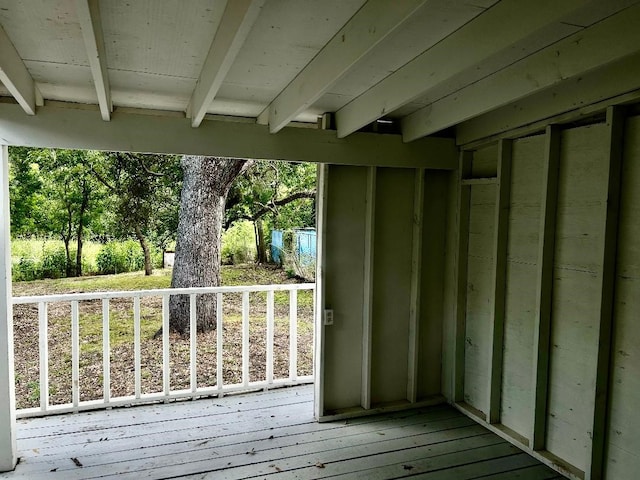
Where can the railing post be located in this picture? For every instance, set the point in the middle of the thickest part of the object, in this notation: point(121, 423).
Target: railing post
point(245, 338)
point(8, 448)
point(293, 335)
point(106, 351)
point(166, 378)
point(43, 341)
point(75, 354)
point(270, 328)
point(136, 346)
point(219, 332)
point(193, 330)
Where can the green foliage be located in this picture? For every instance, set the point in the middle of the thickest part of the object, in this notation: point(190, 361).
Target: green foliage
point(54, 263)
point(119, 257)
point(238, 245)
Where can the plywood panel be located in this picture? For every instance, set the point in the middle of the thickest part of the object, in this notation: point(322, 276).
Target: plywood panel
point(520, 299)
point(623, 449)
point(485, 161)
point(433, 268)
point(391, 284)
point(479, 296)
point(345, 228)
point(575, 309)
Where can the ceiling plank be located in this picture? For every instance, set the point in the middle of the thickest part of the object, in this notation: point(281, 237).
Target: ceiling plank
point(611, 40)
point(463, 49)
point(236, 23)
point(78, 127)
point(375, 21)
point(15, 76)
point(88, 12)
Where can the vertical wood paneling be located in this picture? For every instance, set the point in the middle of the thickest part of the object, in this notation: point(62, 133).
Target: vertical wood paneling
point(503, 194)
point(623, 436)
point(520, 285)
point(577, 289)
point(544, 290)
point(462, 251)
point(343, 286)
point(391, 284)
point(480, 295)
point(433, 270)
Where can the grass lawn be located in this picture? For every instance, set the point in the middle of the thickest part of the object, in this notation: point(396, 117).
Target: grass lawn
point(121, 336)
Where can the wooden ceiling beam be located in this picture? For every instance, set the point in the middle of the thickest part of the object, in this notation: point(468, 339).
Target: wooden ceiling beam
point(88, 12)
point(604, 43)
point(15, 76)
point(234, 28)
point(490, 33)
point(374, 22)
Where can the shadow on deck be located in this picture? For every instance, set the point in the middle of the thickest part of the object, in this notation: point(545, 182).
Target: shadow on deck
point(263, 435)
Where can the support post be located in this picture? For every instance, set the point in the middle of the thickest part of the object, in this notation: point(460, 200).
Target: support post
point(615, 124)
point(8, 448)
point(462, 249)
point(416, 269)
point(319, 298)
point(367, 305)
point(546, 249)
point(503, 195)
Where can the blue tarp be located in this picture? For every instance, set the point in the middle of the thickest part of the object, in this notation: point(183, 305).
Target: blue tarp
point(304, 246)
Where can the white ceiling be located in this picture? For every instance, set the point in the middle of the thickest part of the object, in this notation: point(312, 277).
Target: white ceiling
point(377, 58)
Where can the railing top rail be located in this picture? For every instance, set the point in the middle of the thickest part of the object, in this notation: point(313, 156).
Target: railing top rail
point(70, 297)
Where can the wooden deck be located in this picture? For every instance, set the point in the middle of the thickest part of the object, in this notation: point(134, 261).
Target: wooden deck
point(264, 435)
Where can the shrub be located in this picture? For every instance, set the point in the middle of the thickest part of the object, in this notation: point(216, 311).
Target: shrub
point(26, 269)
point(54, 263)
point(238, 244)
point(120, 257)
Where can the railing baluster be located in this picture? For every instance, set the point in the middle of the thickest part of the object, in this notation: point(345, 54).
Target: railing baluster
point(166, 394)
point(270, 328)
point(219, 332)
point(106, 351)
point(43, 322)
point(166, 387)
point(245, 338)
point(293, 335)
point(136, 346)
point(75, 354)
point(192, 342)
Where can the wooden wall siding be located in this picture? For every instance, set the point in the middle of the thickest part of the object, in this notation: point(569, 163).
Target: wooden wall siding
point(344, 267)
point(576, 292)
point(393, 235)
point(479, 296)
point(374, 239)
point(485, 162)
point(623, 448)
point(520, 295)
point(432, 285)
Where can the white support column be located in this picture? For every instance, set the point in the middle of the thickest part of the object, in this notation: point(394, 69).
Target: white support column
point(318, 347)
point(8, 448)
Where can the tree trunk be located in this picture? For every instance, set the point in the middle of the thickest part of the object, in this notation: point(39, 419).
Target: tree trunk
point(261, 248)
point(67, 239)
point(83, 209)
point(205, 186)
point(148, 268)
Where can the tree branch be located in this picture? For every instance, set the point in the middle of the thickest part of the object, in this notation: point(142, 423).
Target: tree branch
point(270, 206)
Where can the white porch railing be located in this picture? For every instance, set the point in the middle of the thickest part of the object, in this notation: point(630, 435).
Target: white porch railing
point(219, 388)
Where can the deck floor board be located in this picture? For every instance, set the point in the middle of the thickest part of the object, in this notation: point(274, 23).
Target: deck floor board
point(264, 435)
